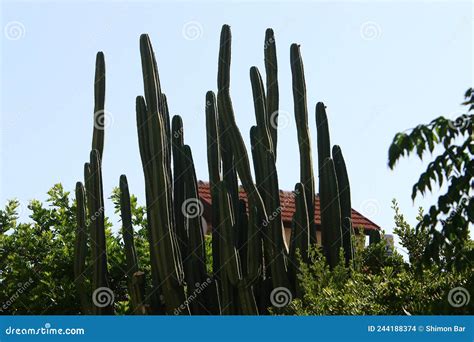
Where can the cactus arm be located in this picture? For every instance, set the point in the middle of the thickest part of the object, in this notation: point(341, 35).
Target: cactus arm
point(304, 143)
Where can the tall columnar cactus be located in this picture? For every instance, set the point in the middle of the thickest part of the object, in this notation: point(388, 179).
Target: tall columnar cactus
point(345, 202)
point(304, 142)
point(80, 248)
point(179, 191)
point(250, 254)
point(265, 168)
point(154, 147)
point(195, 261)
point(232, 264)
point(273, 95)
point(215, 169)
point(135, 278)
point(331, 233)
point(95, 200)
point(322, 126)
point(343, 187)
point(300, 239)
point(99, 104)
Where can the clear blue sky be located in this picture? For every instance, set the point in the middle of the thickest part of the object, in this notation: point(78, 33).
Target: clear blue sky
point(379, 67)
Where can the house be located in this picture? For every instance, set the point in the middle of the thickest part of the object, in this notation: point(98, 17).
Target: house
point(287, 210)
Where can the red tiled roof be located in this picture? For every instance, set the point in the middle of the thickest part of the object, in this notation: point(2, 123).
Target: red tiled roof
point(288, 208)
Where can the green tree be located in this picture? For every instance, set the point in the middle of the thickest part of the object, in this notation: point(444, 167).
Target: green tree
point(36, 259)
point(448, 220)
point(381, 283)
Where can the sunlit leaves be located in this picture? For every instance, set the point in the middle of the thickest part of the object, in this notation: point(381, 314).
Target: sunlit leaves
point(449, 219)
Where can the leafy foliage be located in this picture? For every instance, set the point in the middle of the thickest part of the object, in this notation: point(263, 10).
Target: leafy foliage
point(380, 283)
point(447, 221)
point(37, 262)
point(36, 259)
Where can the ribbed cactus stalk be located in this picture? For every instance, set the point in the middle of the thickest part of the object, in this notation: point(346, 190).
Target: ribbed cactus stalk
point(214, 167)
point(345, 202)
point(343, 187)
point(324, 142)
point(137, 293)
point(80, 248)
point(195, 261)
point(156, 302)
point(154, 145)
point(304, 142)
point(230, 257)
point(95, 199)
point(179, 190)
point(99, 105)
point(300, 233)
point(264, 163)
point(331, 231)
point(300, 239)
point(273, 95)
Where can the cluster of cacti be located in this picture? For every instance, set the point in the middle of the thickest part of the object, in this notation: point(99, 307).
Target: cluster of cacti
point(250, 255)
